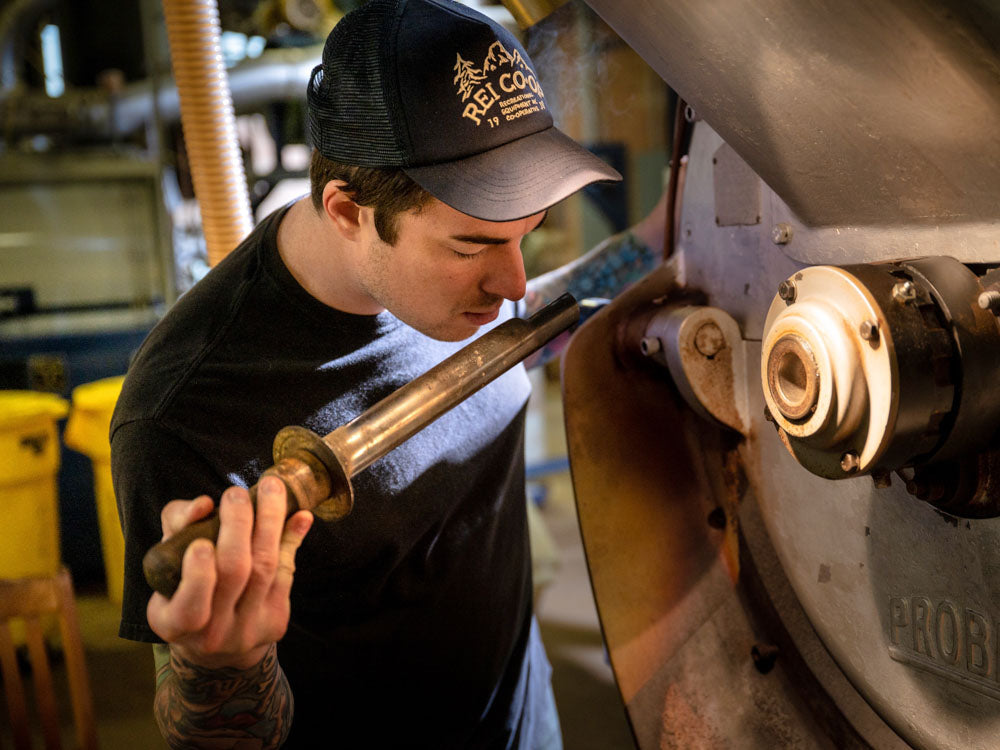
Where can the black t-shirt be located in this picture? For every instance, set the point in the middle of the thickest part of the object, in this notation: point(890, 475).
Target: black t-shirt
point(411, 617)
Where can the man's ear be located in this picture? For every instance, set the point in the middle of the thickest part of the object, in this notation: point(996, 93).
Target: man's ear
point(341, 209)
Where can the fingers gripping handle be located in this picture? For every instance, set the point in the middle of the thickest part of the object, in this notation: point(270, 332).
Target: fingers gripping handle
point(307, 485)
point(162, 563)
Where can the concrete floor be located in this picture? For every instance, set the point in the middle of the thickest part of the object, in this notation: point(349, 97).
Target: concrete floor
point(590, 708)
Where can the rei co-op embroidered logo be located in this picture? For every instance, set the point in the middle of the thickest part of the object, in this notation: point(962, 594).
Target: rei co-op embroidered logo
point(504, 81)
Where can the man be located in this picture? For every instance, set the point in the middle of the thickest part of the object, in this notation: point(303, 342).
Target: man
point(410, 622)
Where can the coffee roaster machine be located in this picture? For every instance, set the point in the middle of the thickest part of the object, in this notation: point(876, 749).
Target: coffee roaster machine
point(784, 441)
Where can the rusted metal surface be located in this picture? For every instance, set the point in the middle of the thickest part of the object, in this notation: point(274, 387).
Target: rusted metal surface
point(659, 493)
point(703, 349)
point(631, 497)
point(793, 377)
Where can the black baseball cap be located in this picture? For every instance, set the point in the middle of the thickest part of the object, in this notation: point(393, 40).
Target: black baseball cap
point(451, 97)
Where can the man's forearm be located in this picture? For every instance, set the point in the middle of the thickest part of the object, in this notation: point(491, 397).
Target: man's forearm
point(603, 273)
point(233, 708)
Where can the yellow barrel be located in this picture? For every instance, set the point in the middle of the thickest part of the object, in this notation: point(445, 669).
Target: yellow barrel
point(29, 498)
point(87, 432)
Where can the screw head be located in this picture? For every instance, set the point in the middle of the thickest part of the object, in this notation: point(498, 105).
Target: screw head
point(850, 462)
point(781, 233)
point(786, 290)
point(709, 340)
point(904, 291)
point(869, 330)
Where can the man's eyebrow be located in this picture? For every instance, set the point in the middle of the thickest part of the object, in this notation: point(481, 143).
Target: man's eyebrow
point(480, 239)
point(485, 239)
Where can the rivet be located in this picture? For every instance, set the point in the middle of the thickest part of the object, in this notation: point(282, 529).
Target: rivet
point(869, 330)
point(781, 234)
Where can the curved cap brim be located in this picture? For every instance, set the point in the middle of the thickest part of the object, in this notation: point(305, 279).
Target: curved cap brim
point(514, 180)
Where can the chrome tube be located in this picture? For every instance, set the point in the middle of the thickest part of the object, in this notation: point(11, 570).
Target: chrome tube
point(397, 417)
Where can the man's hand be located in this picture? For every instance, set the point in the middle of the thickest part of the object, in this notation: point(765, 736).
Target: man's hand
point(233, 598)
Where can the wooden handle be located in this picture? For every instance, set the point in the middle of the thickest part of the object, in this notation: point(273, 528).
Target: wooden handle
point(307, 484)
point(162, 563)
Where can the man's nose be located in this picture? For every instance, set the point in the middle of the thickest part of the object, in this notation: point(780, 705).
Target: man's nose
point(505, 276)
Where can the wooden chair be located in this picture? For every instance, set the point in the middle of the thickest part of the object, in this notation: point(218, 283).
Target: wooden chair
point(28, 599)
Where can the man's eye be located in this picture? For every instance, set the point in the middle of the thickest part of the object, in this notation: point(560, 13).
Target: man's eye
point(466, 255)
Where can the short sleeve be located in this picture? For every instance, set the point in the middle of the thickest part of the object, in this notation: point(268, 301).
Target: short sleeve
point(150, 466)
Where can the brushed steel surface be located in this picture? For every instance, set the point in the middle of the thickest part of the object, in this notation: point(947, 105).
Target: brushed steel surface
point(855, 113)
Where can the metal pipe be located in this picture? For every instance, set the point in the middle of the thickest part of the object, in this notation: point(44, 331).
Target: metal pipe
point(209, 124)
point(317, 471)
point(405, 412)
point(277, 75)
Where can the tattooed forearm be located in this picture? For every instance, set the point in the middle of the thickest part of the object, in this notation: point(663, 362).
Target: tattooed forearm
point(603, 272)
point(223, 708)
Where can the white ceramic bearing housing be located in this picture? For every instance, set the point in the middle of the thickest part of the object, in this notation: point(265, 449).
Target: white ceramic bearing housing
point(828, 372)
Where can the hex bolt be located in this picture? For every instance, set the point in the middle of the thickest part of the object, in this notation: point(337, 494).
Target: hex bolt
point(850, 462)
point(786, 290)
point(709, 340)
point(650, 345)
point(904, 291)
point(990, 300)
point(781, 233)
point(869, 330)
point(764, 656)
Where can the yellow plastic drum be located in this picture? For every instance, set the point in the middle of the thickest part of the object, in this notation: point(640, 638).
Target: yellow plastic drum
point(87, 432)
point(29, 463)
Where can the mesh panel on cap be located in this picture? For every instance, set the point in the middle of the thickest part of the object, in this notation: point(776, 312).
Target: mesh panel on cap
point(352, 122)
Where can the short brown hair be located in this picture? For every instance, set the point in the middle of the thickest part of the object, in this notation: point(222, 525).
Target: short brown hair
point(389, 191)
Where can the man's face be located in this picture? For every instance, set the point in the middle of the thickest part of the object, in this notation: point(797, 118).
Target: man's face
point(448, 273)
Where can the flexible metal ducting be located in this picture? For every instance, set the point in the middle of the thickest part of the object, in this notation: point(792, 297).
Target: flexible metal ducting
point(209, 124)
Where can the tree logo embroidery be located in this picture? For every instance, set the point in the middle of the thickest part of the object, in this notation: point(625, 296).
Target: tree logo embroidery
point(519, 92)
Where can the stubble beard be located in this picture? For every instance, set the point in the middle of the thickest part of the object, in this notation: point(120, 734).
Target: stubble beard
point(376, 285)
